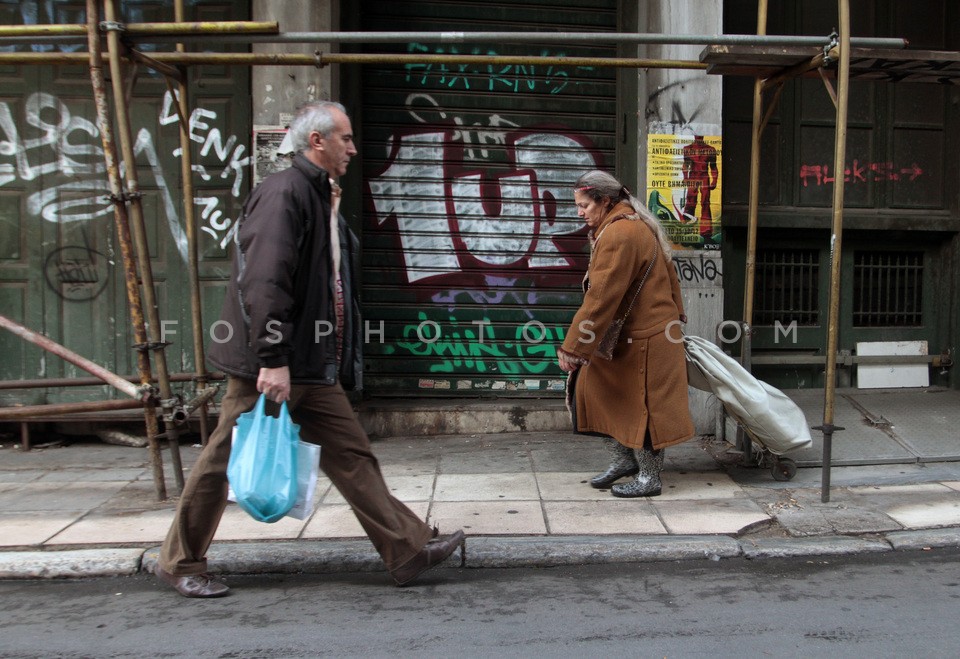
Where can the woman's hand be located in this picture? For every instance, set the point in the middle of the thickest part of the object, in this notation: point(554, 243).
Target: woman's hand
point(568, 363)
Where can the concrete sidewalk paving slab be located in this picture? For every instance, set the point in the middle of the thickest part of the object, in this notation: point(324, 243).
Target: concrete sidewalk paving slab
point(93, 475)
point(32, 530)
point(40, 496)
point(67, 564)
point(333, 521)
point(897, 490)
point(405, 488)
point(613, 517)
point(928, 513)
point(723, 516)
point(569, 486)
point(16, 477)
point(925, 421)
point(96, 528)
point(338, 521)
point(519, 486)
point(859, 443)
point(799, 521)
point(236, 524)
point(484, 462)
point(489, 517)
point(803, 513)
point(698, 485)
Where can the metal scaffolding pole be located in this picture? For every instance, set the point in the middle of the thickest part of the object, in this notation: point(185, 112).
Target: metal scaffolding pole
point(324, 59)
point(744, 442)
point(103, 375)
point(155, 343)
point(122, 222)
point(564, 38)
point(839, 156)
point(190, 221)
point(56, 383)
point(80, 31)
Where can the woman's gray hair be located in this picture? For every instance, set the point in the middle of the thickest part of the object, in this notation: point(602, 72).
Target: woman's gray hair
point(312, 117)
point(598, 184)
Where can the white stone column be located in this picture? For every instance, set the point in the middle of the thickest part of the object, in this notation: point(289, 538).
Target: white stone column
point(680, 101)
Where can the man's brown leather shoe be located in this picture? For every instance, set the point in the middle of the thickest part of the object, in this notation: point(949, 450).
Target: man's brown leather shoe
point(433, 553)
point(193, 585)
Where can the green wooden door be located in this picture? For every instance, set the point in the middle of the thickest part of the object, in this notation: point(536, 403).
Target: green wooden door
point(60, 266)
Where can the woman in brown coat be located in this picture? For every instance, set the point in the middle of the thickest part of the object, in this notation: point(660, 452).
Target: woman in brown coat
point(637, 397)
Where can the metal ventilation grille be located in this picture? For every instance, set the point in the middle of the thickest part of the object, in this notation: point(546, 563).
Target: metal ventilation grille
point(787, 287)
point(887, 289)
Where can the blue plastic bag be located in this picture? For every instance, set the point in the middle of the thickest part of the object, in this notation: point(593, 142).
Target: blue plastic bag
point(263, 463)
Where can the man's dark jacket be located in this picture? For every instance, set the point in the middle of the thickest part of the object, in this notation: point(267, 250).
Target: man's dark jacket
point(279, 308)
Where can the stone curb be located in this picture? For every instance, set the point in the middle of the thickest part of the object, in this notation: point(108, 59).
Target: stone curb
point(298, 557)
point(579, 550)
point(925, 538)
point(70, 564)
point(812, 546)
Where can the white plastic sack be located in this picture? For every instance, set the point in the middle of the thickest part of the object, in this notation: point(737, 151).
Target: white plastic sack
point(765, 412)
point(308, 470)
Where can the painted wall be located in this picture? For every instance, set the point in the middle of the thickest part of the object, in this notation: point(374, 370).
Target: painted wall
point(279, 90)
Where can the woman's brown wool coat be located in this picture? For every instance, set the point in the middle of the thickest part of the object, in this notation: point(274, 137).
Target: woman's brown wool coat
point(644, 386)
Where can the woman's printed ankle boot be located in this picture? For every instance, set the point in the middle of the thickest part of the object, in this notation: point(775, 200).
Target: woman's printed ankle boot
point(647, 483)
point(624, 464)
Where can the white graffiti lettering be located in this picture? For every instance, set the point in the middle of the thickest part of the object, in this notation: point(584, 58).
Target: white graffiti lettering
point(54, 141)
point(411, 191)
point(509, 219)
point(467, 133)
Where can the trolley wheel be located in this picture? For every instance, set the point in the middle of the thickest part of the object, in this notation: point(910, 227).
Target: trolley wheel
point(783, 469)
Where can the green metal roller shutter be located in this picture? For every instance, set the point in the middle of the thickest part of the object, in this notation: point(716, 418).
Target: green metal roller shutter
point(472, 250)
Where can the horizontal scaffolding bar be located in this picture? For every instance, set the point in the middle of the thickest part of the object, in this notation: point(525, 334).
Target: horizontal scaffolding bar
point(45, 411)
point(848, 360)
point(56, 383)
point(484, 37)
point(324, 59)
point(145, 29)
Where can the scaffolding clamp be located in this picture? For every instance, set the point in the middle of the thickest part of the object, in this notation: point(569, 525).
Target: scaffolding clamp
point(125, 197)
point(946, 361)
point(147, 392)
point(318, 59)
point(834, 42)
point(112, 26)
point(151, 345)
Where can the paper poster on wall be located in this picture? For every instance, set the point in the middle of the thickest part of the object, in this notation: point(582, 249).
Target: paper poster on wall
point(683, 183)
point(268, 152)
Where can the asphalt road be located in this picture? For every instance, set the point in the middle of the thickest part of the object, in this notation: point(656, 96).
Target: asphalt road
point(878, 605)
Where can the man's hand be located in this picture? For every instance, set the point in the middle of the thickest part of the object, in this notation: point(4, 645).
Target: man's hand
point(275, 383)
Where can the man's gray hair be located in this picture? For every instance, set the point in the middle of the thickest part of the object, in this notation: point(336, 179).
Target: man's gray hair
point(312, 117)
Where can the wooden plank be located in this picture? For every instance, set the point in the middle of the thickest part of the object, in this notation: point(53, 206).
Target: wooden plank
point(937, 66)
